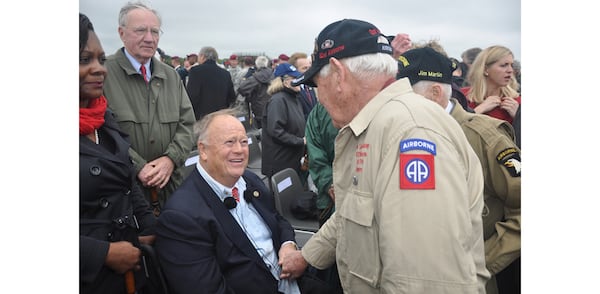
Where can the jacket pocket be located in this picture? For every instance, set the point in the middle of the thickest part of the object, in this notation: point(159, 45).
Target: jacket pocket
point(359, 245)
point(168, 116)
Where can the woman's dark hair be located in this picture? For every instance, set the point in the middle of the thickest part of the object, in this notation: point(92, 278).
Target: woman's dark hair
point(85, 26)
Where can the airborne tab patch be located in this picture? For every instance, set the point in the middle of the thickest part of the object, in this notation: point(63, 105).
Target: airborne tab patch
point(510, 158)
point(417, 144)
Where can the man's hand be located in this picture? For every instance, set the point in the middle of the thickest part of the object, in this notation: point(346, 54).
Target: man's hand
point(157, 173)
point(292, 264)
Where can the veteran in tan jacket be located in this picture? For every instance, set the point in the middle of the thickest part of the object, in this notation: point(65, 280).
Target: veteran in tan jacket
point(408, 187)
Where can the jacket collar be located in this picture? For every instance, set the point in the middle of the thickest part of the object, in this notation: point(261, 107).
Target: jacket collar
point(125, 64)
point(362, 120)
point(230, 226)
point(110, 128)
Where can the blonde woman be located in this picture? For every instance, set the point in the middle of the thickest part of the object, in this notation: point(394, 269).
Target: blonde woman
point(283, 124)
point(494, 90)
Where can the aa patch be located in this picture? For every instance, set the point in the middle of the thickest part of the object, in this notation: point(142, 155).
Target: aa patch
point(417, 171)
point(510, 158)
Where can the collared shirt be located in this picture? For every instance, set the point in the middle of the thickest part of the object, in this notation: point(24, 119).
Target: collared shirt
point(253, 225)
point(136, 64)
point(450, 106)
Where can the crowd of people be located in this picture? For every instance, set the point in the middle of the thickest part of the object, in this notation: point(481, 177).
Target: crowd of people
point(375, 124)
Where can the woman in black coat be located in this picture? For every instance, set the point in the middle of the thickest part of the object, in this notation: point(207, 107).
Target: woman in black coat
point(282, 139)
point(114, 216)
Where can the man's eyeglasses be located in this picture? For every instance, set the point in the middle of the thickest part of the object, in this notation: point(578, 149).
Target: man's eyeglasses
point(141, 31)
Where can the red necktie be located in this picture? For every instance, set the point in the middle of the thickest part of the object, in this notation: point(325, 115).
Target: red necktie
point(308, 96)
point(143, 70)
point(236, 194)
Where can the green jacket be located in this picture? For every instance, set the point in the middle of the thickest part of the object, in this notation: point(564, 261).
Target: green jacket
point(158, 117)
point(320, 138)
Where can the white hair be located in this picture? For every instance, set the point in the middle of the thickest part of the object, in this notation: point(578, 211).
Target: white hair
point(422, 86)
point(367, 66)
point(261, 61)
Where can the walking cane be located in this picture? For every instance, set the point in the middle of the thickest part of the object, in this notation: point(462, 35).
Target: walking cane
point(155, 202)
point(129, 282)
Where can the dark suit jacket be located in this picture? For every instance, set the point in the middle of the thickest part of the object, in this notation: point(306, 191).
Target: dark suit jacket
point(203, 249)
point(210, 88)
point(308, 104)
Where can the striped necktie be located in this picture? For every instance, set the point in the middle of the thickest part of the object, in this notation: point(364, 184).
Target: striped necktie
point(236, 194)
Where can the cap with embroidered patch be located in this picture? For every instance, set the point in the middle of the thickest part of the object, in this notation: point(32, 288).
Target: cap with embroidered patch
point(341, 39)
point(286, 69)
point(425, 64)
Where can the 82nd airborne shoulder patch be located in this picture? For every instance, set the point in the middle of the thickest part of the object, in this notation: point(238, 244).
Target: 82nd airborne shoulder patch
point(417, 171)
point(510, 158)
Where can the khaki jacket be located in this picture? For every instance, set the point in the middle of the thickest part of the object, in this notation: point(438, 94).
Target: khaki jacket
point(389, 237)
point(493, 142)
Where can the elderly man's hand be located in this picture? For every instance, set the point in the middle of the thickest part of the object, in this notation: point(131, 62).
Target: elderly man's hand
point(292, 265)
point(157, 173)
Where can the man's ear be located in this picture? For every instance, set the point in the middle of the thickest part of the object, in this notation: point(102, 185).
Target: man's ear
point(338, 72)
point(121, 33)
point(437, 93)
point(436, 90)
point(202, 151)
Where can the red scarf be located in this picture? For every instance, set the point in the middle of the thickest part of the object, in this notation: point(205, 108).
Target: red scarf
point(92, 117)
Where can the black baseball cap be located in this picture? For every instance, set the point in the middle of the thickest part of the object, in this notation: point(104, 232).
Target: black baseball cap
point(341, 39)
point(425, 64)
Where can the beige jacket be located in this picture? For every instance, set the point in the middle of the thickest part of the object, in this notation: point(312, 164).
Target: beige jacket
point(392, 239)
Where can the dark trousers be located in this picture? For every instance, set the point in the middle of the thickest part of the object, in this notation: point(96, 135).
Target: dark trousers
point(509, 279)
point(329, 275)
point(332, 278)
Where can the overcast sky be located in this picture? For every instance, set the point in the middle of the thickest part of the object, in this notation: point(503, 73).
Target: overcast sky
point(274, 27)
point(39, 113)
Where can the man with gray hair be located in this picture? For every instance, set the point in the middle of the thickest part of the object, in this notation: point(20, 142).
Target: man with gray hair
point(408, 187)
point(209, 86)
point(150, 104)
point(254, 89)
point(221, 233)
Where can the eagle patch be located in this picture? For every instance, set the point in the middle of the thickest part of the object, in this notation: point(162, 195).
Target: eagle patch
point(510, 158)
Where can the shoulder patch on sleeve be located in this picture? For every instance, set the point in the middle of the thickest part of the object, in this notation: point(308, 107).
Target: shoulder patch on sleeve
point(417, 171)
point(510, 158)
point(417, 144)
